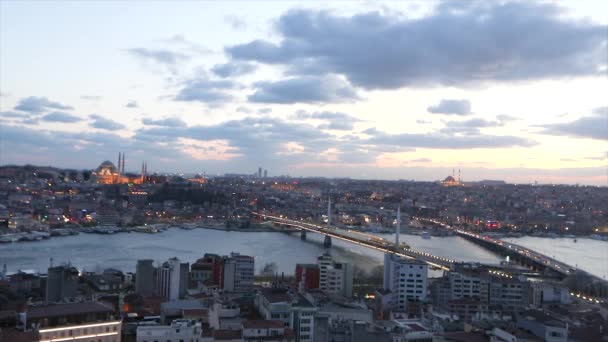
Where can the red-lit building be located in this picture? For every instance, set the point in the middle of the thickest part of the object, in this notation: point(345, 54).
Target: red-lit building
point(209, 268)
point(307, 276)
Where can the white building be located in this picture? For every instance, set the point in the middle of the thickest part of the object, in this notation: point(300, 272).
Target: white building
point(335, 277)
point(406, 279)
point(94, 332)
point(238, 273)
point(179, 330)
point(264, 330)
point(172, 279)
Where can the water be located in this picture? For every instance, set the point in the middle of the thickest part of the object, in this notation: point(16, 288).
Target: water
point(587, 254)
point(94, 252)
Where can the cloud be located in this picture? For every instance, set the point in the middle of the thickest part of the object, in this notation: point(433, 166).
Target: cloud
point(503, 118)
point(132, 104)
point(38, 105)
point(205, 90)
point(61, 117)
point(244, 110)
point(420, 160)
point(235, 22)
point(470, 126)
point(305, 89)
point(180, 40)
point(460, 43)
point(455, 107)
point(447, 141)
point(233, 69)
point(167, 122)
point(101, 122)
point(91, 97)
point(14, 115)
point(594, 126)
point(335, 120)
point(162, 56)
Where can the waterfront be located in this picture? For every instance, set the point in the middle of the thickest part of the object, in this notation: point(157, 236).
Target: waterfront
point(587, 254)
point(94, 252)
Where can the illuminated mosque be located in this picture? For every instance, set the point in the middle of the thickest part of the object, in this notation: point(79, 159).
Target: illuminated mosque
point(108, 173)
point(451, 180)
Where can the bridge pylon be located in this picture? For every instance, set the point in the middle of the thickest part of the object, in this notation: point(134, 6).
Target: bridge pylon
point(327, 241)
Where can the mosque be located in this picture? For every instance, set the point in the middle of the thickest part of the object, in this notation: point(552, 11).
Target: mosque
point(108, 173)
point(451, 180)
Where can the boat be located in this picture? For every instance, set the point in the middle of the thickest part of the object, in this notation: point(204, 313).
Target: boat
point(425, 235)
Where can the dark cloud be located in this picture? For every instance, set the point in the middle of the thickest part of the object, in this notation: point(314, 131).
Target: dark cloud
point(101, 122)
point(38, 105)
point(455, 107)
point(594, 126)
point(167, 122)
point(61, 117)
point(233, 69)
point(132, 104)
point(162, 56)
point(205, 90)
point(458, 44)
point(305, 89)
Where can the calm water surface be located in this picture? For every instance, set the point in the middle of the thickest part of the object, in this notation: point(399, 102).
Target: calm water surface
point(94, 252)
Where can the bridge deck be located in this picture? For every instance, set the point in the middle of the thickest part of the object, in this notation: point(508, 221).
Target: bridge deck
point(363, 239)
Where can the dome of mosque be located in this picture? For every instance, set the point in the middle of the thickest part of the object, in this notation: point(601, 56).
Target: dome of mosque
point(106, 168)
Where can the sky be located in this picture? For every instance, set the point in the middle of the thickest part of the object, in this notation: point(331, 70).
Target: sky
point(515, 91)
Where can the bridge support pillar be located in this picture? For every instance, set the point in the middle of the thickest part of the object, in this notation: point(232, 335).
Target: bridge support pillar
point(303, 235)
point(327, 241)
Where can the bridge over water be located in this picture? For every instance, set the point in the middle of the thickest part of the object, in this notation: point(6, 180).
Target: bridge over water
point(362, 239)
point(537, 261)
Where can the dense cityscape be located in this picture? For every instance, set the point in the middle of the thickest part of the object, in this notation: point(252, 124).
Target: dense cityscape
point(304, 171)
point(231, 298)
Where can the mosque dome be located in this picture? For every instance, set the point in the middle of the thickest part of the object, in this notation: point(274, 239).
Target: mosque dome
point(106, 168)
point(449, 179)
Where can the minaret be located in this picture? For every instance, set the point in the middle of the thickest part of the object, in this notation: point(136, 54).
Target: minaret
point(119, 161)
point(398, 229)
point(329, 210)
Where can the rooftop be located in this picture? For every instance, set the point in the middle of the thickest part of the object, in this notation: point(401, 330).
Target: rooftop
point(58, 310)
point(263, 324)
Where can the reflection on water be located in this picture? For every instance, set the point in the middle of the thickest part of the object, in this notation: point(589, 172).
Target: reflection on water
point(95, 252)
